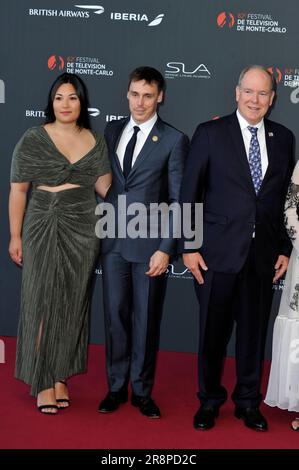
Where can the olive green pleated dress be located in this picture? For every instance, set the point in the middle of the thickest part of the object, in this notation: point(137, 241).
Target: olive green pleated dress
point(59, 253)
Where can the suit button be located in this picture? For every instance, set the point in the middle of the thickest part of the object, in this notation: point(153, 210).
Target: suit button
point(126, 189)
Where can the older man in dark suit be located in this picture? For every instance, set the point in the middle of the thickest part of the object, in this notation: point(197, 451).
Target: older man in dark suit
point(147, 157)
point(239, 166)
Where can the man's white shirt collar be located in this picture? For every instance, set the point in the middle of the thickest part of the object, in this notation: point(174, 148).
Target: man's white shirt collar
point(244, 124)
point(145, 126)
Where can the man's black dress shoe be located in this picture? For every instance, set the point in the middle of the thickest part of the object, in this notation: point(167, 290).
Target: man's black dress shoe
point(252, 418)
point(112, 401)
point(147, 406)
point(204, 419)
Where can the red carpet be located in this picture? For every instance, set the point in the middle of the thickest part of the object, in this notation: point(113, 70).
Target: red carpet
point(82, 427)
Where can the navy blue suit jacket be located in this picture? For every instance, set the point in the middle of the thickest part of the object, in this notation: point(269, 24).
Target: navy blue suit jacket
point(217, 173)
point(155, 177)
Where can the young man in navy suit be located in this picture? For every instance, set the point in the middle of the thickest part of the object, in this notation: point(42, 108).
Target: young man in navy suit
point(147, 157)
point(239, 166)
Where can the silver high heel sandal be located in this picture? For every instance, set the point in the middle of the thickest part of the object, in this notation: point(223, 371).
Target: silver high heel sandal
point(295, 424)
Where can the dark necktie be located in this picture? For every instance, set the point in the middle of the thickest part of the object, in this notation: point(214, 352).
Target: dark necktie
point(255, 162)
point(127, 165)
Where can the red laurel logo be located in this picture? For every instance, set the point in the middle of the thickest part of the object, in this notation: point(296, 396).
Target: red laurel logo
point(55, 61)
point(225, 19)
point(275, 71)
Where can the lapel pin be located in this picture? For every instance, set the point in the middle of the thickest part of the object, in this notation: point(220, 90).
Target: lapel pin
point(154, 138)
point(270, 134)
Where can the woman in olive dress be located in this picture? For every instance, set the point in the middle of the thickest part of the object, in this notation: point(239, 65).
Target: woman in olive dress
point(283, 385)
point(65, 163)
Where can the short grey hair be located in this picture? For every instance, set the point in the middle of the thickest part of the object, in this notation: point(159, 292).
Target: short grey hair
point(261, 68)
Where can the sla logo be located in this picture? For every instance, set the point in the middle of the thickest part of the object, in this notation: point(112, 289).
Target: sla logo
point(225, 19)
point(55, 61)
point(97, 9)
point(276, 72)
point(136, 17)
point(178, 69)
point(2, 91)
point(179, 272)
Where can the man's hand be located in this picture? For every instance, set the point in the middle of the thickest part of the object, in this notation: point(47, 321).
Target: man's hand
point(194, 261)
point(280, 267)
point(158, 263)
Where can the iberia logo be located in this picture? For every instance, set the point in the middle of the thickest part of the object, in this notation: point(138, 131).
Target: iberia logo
point(225, 19)
point(276, 72)
point(55, 61)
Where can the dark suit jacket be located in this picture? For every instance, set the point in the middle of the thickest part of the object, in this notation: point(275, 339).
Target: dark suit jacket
point(155, 177)
point(217, 173)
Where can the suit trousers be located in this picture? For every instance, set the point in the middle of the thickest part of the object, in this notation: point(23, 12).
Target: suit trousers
point(133, 304)
point(244, 298)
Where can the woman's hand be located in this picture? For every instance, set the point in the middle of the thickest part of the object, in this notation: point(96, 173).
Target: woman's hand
point(15, 250)
point(17, 204)
point(102, 184)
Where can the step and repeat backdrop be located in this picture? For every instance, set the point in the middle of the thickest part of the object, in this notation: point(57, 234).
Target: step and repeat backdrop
point(199, 47)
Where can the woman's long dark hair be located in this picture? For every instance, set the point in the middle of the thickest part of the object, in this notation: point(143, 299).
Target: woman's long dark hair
point(81, 92)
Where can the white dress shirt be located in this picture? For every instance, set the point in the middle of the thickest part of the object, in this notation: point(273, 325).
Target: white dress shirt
point(145, 129)
point(246, 134)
